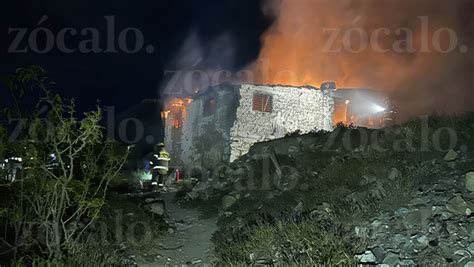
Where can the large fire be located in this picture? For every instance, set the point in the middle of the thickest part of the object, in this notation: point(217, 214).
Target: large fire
point(299, 49)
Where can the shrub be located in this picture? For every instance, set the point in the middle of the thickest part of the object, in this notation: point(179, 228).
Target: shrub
point(306, 243)
point(55, 199)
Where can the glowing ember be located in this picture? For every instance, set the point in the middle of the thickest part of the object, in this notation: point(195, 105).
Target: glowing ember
point(164, 114)
point(176, 110)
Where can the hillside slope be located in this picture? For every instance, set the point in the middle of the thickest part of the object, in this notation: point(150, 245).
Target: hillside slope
point(398, 195)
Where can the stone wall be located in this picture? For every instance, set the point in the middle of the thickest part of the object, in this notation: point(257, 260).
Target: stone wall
point(203, 140)
point(301, 109)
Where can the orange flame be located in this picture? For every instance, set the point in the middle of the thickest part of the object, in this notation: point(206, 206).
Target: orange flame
point(164, 114)
point(176, 109)
point(296, 49)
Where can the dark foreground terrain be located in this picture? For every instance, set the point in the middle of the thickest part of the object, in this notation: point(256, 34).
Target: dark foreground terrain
point(402, 195)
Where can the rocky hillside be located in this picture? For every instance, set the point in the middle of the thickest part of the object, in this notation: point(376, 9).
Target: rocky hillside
point(392, 196)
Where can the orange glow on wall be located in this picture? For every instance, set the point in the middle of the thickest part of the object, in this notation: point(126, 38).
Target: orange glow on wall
point(176, 109)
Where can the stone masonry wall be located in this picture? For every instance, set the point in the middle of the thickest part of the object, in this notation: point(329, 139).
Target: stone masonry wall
point(294, 108)
point(203, 140)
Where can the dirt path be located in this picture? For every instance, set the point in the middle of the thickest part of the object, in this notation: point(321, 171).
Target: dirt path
point(190, 243)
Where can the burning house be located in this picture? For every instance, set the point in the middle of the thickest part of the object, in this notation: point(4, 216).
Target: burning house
point(221, 123)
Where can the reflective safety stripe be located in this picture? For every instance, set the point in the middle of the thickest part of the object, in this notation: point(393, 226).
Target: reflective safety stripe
point(160, 167)
point(167, 159)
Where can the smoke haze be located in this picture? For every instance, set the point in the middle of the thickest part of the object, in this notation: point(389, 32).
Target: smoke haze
point(295, 49)
point(198, 64)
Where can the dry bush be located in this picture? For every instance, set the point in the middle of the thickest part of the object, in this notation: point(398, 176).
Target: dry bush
point(306, 243)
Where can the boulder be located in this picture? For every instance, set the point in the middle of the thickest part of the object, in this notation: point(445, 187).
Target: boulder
point(155, 208)
point(451, 155)
point(228, 201)
point(391, 259)
point(470, 181)
point(418, 217)
point(379, 254)
point(422, 242)
point(471, 248)
point(458, 206)
point(366, 257)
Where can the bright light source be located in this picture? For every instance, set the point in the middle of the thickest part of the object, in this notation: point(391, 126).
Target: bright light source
point(377, 108)
point(348, 101)
point(144, 176)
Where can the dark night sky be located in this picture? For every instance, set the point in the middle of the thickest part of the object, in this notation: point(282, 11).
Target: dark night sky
point(223, 27)
point(123, 79)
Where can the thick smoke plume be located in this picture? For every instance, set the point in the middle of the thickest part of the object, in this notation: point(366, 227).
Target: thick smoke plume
point(302, 48)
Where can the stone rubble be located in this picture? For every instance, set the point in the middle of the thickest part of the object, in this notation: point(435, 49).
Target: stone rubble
point(435, 228)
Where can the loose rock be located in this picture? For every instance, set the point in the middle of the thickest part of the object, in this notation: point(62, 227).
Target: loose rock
point(379, 254)
point(391, 259)
point(470, 181)
point(155, 208)
point(228, 201)
point(471, 248)
point(367, 257)
point(451, 155)
point(458, 206)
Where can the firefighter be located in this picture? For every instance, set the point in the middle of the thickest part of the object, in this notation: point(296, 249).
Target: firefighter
point(159, 166)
